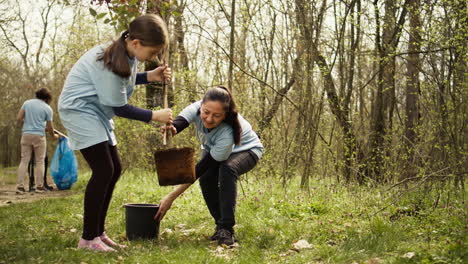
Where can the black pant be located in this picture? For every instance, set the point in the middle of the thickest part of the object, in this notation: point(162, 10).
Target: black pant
point(219, 187)
point(104, 161)
point(31, 170)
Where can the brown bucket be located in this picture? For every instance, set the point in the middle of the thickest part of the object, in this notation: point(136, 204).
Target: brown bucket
point(175, 166)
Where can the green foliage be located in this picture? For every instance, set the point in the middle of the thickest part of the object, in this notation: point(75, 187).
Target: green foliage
point(340, 224)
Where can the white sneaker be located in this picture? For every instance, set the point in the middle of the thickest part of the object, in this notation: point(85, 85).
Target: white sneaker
point(95, 245)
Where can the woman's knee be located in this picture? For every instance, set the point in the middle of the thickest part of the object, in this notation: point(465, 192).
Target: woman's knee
point(228, 168)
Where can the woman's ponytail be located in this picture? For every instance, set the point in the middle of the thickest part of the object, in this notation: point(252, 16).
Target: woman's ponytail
point(233, 120)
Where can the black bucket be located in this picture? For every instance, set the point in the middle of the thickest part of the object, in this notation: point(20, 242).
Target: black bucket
point(140, 223)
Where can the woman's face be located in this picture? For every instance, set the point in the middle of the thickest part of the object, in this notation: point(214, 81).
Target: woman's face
point(212, 114)
point(143, 53)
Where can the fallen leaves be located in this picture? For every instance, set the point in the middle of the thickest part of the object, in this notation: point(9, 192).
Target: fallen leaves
point(409, 255)
point(300, 245)
point(225, 252)
point(374, 261)
point(297, 246)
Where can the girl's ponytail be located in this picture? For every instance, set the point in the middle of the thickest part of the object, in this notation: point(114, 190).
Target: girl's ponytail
point(115, 57)
point(150, 29)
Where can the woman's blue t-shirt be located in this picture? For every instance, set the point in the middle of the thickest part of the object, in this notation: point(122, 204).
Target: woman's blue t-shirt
point(89, 94)
point(219, 142)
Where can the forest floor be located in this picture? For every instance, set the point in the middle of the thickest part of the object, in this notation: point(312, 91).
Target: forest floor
point(9, 196)
point(328, 223)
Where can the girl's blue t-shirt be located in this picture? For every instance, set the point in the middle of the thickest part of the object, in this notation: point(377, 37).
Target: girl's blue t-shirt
point(219, 142)
point(89, 94)
point(36, 114)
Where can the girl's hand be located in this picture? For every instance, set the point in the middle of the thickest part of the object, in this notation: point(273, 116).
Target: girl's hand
point(160, 74)
point(164, 205)
point(170, 128)
point(162, 116)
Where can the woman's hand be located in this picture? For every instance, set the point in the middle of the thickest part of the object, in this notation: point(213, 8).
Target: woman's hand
point(162, 116)
point(167, 201)
point(160, 74)
point(164, 205)
point(170, 128)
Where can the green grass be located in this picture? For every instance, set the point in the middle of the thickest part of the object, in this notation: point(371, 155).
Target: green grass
point(341, 223)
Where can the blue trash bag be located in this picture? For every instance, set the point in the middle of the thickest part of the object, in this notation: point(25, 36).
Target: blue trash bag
point(64, 167)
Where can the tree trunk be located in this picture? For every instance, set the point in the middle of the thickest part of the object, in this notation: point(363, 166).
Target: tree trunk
point(384, 97)
point(412, 88)
point(231, 44)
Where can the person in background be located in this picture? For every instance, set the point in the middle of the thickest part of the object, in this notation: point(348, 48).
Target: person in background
point(36, 116)
point(96, 89)
point(31, 167)
point(230, 149)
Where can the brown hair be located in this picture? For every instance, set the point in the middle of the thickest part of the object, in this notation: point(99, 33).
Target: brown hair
point(150, 29)
point(44, 94)
point(221, 94)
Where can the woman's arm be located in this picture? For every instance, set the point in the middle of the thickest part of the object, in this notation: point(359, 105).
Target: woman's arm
point(165, 204)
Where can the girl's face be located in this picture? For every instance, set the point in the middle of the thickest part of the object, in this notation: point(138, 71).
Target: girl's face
point(143, 53)
point(212, 114)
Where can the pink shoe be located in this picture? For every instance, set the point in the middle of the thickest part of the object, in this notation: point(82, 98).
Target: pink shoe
point(104, 238)
point(95, 245)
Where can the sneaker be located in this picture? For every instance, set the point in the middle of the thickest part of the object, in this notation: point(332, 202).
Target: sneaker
point(48, 188)
point(104, 238)
point(40, 190)
point(20, 190)
point(225, 237)
point(94, 245)
point(215, 236)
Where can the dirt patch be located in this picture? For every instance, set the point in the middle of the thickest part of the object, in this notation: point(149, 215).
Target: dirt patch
point(8, 191)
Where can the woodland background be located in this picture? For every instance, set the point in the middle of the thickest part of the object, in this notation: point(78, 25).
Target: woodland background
point(365, 92)
point(361, 106)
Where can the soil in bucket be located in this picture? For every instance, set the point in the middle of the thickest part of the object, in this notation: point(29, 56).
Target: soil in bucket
point(140, 223)
point(175, 166)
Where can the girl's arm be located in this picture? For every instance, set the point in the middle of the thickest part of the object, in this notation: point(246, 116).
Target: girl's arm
point(145, 115)
point(157, 75)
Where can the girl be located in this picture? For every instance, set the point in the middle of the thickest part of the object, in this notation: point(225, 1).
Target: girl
point(97, 88)
point(230, 148)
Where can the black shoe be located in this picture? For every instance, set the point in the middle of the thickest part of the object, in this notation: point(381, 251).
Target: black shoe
point(48, 188)
point(215, 236)
point(225, 237)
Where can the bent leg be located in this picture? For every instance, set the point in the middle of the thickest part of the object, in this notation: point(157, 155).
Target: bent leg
point(229, 171)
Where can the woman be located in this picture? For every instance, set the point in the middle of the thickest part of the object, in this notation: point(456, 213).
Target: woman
point(97, 88)
point(230, 149)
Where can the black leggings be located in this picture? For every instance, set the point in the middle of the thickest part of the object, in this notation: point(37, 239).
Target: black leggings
point(104, 161)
